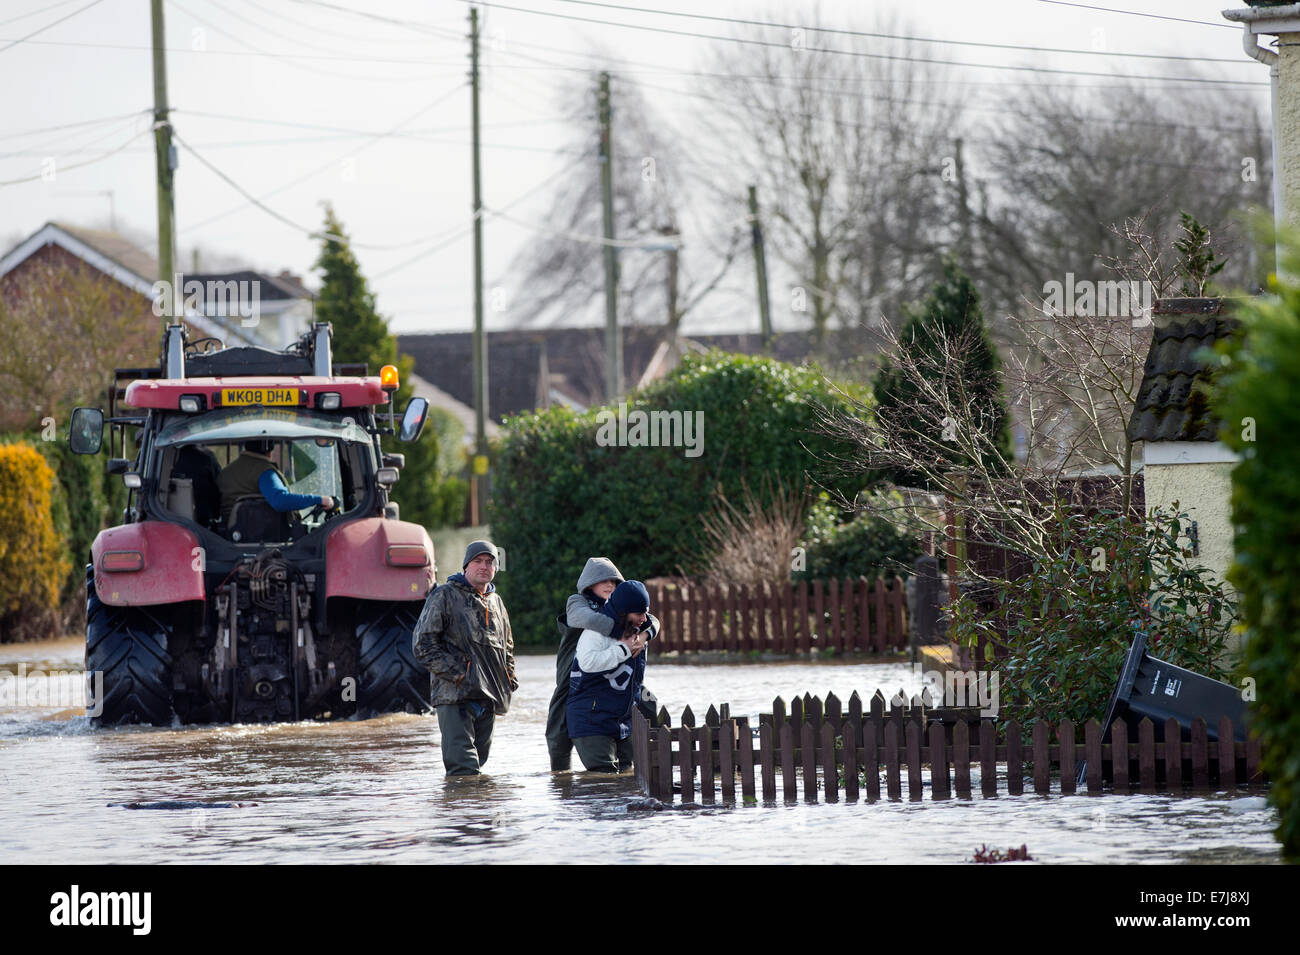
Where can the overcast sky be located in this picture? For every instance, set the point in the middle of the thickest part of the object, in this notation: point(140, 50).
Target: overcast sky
point(289, 99)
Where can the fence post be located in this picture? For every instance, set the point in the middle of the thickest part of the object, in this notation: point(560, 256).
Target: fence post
point(1015, 766)
point(1173, 756)
point(961, 758)
point(767, 756)
point(1042, 766)
point(788, 783)
point(880, 636)
point(809, 752)
point(988, 758)
point(913, 760)
point(705, 734)
point(1066, 737)
point(727, 761)
point(1147, 755)
point(1119, 755)
point(1092, 754)
point(1200, 756)
point(849, 734)
point(819, 616)
point(802, 639)
point(1227, 755)
point(745, 738)
point(939, 783)
point(686, 762)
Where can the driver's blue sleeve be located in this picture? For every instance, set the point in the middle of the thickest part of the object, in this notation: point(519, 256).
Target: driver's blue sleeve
point(280, 497)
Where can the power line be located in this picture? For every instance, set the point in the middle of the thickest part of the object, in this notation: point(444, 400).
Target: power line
point(860, 53)
point(1138, 13)
point(78, 165)
point(80, 123)
point(288, 58)
point(303, 25)
point(463, 231)
point(39, 30)
point(33, 13)
point(901, 36)
point(335, 161)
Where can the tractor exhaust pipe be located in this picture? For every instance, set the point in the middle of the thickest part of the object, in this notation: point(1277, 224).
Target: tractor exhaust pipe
point(322, 359)
point(174, 351)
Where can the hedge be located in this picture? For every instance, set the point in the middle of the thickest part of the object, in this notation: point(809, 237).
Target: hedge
point(33, 561)
point(561, 496)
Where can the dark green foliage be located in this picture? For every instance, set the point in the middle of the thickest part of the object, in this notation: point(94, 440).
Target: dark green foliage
point(951, 314)
point(1069, 622)
point(1256, 401)
point(360, 334)
point(560, 497)
point(868, 545)
point(1199, 263)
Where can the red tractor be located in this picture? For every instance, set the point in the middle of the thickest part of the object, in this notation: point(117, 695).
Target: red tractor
point(201, 608)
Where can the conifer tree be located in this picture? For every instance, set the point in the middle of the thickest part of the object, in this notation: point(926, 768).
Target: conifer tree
point(360, 334)
point(946, 330)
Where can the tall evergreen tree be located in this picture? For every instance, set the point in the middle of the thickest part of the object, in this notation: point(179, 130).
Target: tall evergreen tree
point(949, 319)
point(360, 334)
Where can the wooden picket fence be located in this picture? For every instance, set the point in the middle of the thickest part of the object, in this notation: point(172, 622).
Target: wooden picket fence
point(838, 615)
point(821, 751)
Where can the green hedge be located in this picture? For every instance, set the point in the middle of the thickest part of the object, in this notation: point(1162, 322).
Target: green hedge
point(560, 497)
point(79, 508)
point(868, 545)
point(1256, 402)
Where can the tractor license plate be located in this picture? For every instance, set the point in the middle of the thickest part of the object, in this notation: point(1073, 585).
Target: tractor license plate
point(233, 397)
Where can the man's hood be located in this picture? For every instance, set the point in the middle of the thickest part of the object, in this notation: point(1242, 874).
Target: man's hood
point(460, 580)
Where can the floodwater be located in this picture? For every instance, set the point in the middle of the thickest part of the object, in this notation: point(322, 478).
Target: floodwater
point(374, 791)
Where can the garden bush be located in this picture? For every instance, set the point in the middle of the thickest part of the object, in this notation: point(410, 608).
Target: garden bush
point(33, 562)
point(869, 544)
point(560, 496)
point(1058, 634)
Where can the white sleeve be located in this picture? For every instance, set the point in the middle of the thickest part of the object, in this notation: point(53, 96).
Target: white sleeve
point(598, 653)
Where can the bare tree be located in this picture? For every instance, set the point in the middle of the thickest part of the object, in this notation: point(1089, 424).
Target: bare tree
point(563, 271)
point(848, 153)
point(1064, 164)
point(65, 327)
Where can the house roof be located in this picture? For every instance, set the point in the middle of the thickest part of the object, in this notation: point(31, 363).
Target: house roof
point(1173, 402)
point(574, 360)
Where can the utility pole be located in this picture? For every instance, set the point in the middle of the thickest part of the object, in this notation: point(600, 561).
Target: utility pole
point(479, 486)
point(165, 161)
point(760, 268)
point(674, 320)
point(613, 336)
point(963, 209)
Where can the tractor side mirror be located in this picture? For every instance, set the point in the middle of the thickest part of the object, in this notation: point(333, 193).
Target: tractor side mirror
point(417, 411)
point(86, 430)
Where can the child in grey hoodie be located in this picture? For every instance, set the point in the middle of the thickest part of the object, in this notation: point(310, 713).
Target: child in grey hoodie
point(581, 612)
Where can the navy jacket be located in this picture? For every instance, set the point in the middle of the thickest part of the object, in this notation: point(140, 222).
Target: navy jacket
point(600, 704)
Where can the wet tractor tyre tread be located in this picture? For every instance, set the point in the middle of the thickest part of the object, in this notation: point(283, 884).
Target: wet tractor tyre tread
point(129, 646)
point(392, 680)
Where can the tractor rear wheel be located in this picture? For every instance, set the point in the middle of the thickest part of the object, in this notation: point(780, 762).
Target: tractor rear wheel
point(128, 645)
point(392, 680)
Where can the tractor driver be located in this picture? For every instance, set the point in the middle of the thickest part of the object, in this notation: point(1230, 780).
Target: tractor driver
point(253, 472)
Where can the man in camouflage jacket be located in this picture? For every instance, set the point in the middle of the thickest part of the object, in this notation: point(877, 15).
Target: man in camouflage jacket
point(463, 637)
